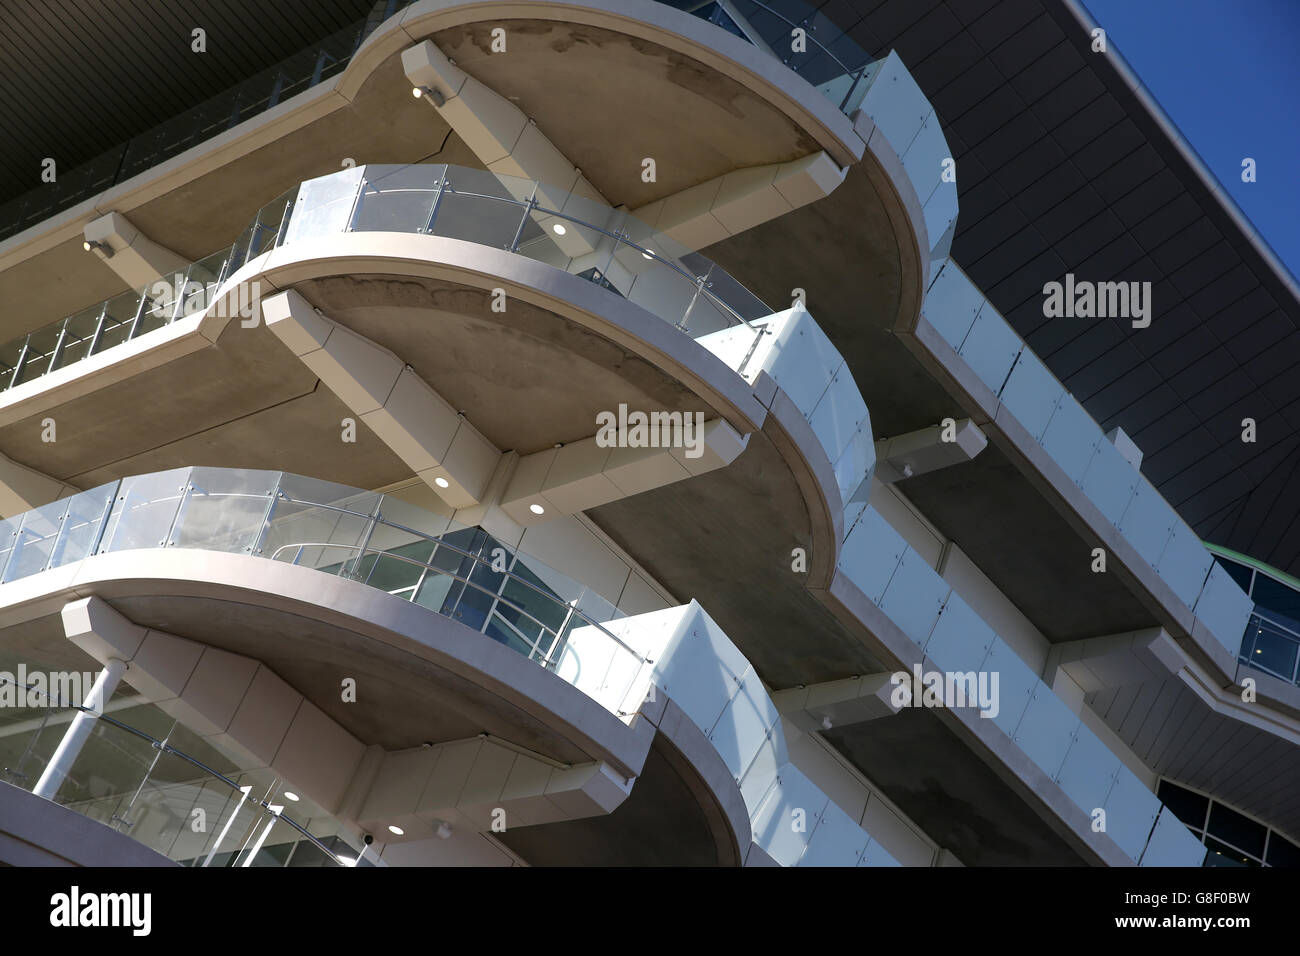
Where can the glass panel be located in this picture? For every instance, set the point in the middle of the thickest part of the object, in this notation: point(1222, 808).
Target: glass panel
point(8, 537)
point(159, 306)
point(438, 592)
point(79, 332)
point(34, 545)
point(202, 281)
point(9, 355)
point(478, 206)
point(1282, 852)
point(119, 314)
point(269, 226)
point(81, 526)
point(1233, 828)
point(40, 349)
point(1269, 648)
point(546, 606)
point(472, 608)
point(398, 198)
point(144, 511)
point(319, 524)
point(1187, 806)
point(502, 633)
point(324, 205)
point(225, 509)
point(1220, 854)
point(392, 574)
point(1281, 602)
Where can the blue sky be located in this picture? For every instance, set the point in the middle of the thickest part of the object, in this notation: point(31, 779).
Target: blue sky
point(1228, 73)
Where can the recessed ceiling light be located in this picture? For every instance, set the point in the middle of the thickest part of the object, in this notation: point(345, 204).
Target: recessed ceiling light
point(442, 482)
point(290, 795)
point(395, 830)
point(558, 229)
point(537, 509)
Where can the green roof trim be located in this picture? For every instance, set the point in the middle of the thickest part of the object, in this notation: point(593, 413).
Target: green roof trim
point(1280, 576)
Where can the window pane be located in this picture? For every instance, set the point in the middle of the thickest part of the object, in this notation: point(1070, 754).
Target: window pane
point(1270, 648)
point(1282, 852)
point(1221, 854)
point(1232, 827)
point(1279, 600)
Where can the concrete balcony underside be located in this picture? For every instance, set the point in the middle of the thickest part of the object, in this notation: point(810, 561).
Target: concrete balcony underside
point(420, 678)
point(528, 378)
point(573, 349)
point(664, 76)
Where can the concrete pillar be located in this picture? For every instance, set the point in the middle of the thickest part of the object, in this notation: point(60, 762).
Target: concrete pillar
point(75, 737)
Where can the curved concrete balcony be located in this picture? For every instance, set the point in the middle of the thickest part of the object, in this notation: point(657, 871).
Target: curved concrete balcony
point(761, 141)
point(598, 304)
point(808, 412)
point(669, 708)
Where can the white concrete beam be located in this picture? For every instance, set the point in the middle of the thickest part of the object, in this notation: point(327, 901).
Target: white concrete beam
point(584, 474)
point(459, 463)
point(239, 704)
point(507, 142)
point(421, 428)
point(837, 703)
point(1117, 660)
point(740, 200)
point(136, 258)
point(918, 452)
point(470, 783)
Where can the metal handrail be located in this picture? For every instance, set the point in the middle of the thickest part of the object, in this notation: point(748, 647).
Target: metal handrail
point(165, 747)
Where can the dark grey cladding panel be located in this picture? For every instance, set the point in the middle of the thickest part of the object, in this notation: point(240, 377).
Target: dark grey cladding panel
point(82, 76)
point(1061, 170)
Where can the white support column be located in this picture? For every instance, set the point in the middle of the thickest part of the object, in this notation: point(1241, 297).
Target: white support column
point(75, 737)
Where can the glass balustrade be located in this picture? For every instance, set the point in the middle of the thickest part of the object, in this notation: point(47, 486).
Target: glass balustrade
point(564, 230)
point(460, 572)
point(146, 775)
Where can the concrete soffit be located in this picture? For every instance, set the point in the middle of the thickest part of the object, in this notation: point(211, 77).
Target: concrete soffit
point(446, 451)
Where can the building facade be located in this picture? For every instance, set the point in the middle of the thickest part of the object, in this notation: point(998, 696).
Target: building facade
point(584, 446)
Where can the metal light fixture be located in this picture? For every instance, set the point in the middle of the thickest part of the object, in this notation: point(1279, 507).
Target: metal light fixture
point(425, 92)
point(93, 245)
